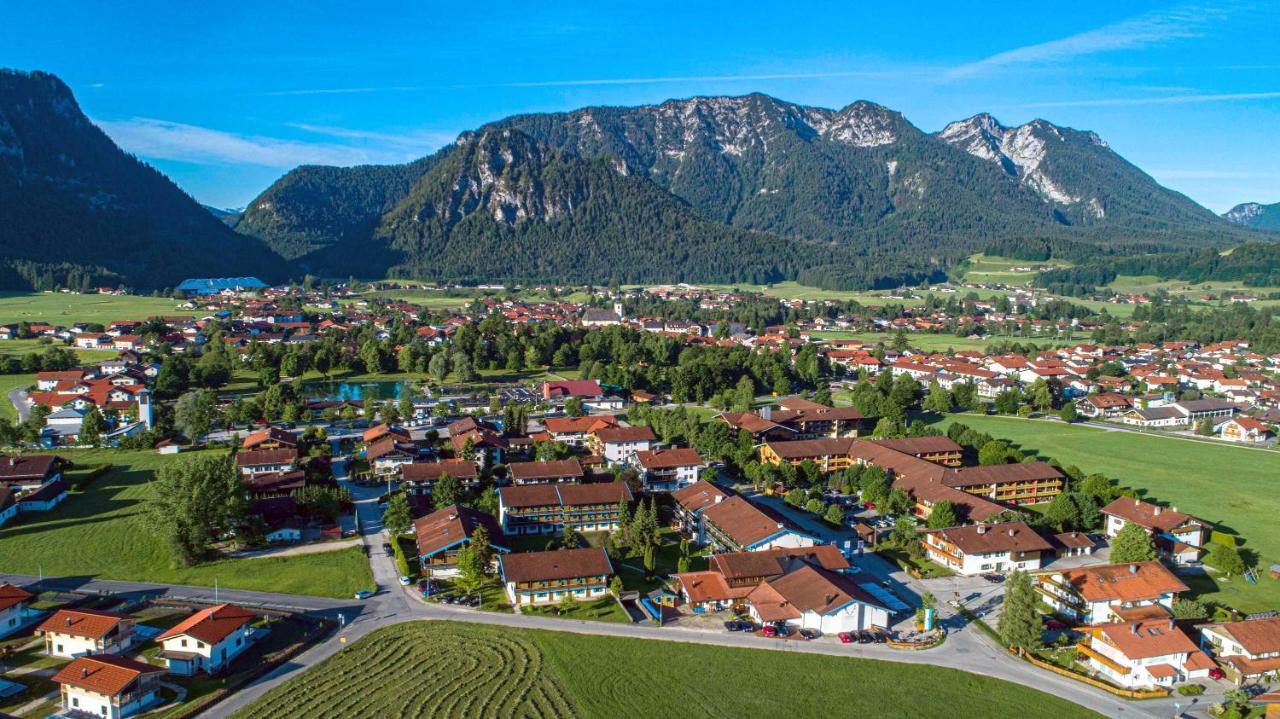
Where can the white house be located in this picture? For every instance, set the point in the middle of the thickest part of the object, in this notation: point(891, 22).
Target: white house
point(668, 470)
point(71, 633)
point(1248, 650)
point(1111, 592)
point(980, 548)
point(13, 608)
point(811, 597)
point(549, 577)
point(1148, 653)
point(108, 686)
point(737, 525)
point(619, 444)
point(208, 640)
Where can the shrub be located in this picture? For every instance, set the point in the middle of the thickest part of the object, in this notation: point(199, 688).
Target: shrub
point(1191, 690)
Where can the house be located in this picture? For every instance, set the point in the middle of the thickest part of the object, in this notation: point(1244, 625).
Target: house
point(8, 504)
point(1178, 536)
point(444, 532)
point(49, 381)
point(1110, 592)
point(1104, 404)
point(829, 454)
point(262, 461)
point(737, 525)
point(1017, 483)
point(688, 505)
point(1073, 544)
point(208, 640)
point(1246, 430)
point(731, 576)
point(421, 477)
point(1143, 653)
point(377, 432)
point(981, 548)
point(44, 498)
point(667, 470)
point(534, 578)
point(71, 633)
point(273, 484)
point(29, 471)
point(589, 391)
point(810, 419)
point(939, 450)
point(577, 431)
point(549, 508)
point(619, 444)
point(812, 597)
point(758, 427)
point(108, 686)
point(270, 438)
point(281, 516)
point(13, 608)
point(388, 454)
point(545, 471)
point(478, 443)
point(1247, 650)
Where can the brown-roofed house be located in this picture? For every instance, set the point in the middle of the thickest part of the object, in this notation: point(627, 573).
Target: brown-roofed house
point(982, 548)
point(1178, 536)
point(545, 471)
point(1248, 650)
point(548, 577)
point(208, 640)
point(76, 632)
point(668, 470)
point(1146, 653)
point(549, 508)
point(444, 532)
point(738, 525)
point(108, 686)
point(1093, 594)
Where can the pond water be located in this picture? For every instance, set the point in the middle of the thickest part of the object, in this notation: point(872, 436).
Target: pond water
point(377, 390)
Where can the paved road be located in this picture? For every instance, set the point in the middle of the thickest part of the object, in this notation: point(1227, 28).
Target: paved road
point(18, 398)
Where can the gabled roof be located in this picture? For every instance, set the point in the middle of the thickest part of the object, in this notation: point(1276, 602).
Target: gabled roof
point(451, 525)
point(104, 673)
point(698, 496)
point(1131, 582)
point(625, 434)
point(1002, 474)
point(1147, 515)
point(807, 589)
point(1257, 636)
point(773, 562)
point(579, 425)
point(557, 564)
point(27, 467)
point(11, 596)
point(211, 625)
point(916, 446)
point(1004, 537)
point(81, 623)
point(744, 522)
point(669, 458)
point(544, 469)
point(255, 457)
point(1147, 639)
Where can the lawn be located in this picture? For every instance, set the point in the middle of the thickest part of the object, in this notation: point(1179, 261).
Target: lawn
point(65, 309)
point(1233, 487)
point(101, 533)
point(18, 348)
point(451, 669)
point(8, 383)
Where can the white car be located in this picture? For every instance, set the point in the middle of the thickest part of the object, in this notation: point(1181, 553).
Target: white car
point(405, 581)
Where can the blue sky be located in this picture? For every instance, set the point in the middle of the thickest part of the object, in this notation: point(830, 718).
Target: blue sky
point(226, 97)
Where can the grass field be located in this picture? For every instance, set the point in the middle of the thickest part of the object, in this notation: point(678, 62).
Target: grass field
point(454, 670)
point(8, 383)
point(1000, 270)
point(931, 342)
point(1234, 487)
point(100, 533)
point(64, 309)
point(18, 348)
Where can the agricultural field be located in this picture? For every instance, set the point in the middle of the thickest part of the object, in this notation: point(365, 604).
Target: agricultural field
point(452, 669)
point(1233, 487)
point(65, 308)
point(1192, 292)
point(1004, 270)
point(100, 532)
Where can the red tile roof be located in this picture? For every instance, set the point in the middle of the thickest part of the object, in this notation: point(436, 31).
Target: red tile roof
point(81, 623)
point(557, 564)
point(104, 673)
point(211, 625)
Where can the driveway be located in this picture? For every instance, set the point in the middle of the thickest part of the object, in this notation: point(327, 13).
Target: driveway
point(18, 398)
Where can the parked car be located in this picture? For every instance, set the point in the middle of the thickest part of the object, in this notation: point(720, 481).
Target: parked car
point(473, 600)
point(386, 549)
point(846, 638)
point(879, 636)
point(1216, 674)
point(737, 625)
point(362, 594)
point(810, 633)
point(865, 637)
point(781, 628)
point(406, 581)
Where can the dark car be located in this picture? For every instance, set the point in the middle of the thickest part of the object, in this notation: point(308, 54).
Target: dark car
point(865, 637)
point(734, 625)
point(473, 600)
point(386, 549)
point(781, 628)
point(810, 633)
point(879, 636)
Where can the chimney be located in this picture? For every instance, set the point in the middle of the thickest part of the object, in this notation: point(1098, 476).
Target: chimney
point(68, 621)
point(84, 672)
point(719, 498)
point(1171, 624)
point(1133, 568)
point(1012, 531)
point(1157, 512)
point(982, 529)
point(1134, 629)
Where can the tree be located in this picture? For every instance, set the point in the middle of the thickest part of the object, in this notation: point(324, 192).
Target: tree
point(1132, 544)
point(1007, 402)
point(438, 367)
point(1019, 626)
point(573, 407)
point(396, 517)
point(91, 427)
point(448, 490)
point(1062, 513)
point(938, 400)
point(1189, 608)
point(471, 569)
point(1068, 412)
point(897, 504)
point(650, 560)
point(1040, 395)
point(834, 514)
point(744, 393)
point(1224, 558)
point(993, 452)
point(943, 515)
point(196, 498)
point(194, 412)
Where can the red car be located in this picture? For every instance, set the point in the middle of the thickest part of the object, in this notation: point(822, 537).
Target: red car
point(1054, 625)
point(1216, 673)
point(845, 638)
point(769, 631)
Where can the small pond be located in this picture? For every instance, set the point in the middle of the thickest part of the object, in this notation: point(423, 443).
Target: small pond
point(334, 389)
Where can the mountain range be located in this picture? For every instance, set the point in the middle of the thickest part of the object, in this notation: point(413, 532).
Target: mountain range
point(725, 189)
point(76, 211)
point(1254, 214)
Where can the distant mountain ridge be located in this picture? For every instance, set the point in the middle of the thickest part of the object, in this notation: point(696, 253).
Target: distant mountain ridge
point(76, 211)
point(861, 181)
point(1256, 215)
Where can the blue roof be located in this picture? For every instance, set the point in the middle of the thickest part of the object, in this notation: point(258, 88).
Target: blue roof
point(214, 285)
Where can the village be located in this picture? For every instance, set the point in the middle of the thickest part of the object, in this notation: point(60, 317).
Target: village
point(814, 481)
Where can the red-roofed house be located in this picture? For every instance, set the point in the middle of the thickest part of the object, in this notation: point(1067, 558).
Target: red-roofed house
point(107, 686)
point(208, 640)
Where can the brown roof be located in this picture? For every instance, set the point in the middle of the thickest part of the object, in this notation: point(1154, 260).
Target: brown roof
point(744, 522)
point(1257, 636)
point(773, 562)
point(750, 421)
point(387, 445)
point(1145, 514)
point(544, 469)
point(1146, 639)
point(565, 494)
point(104, 673)
point(431, 471)
point(710, 586)
point(273, 482)
point(916, 446)
point(211, 625)
point(1002, 474)
point(1073, 540)
point(557, 564)
point(27, 467)
point(451, 525)
point(808, 589)
point(379, 431)
point(578, 425)
point(270, 434)
point(81, 623)
point(807, 448)
point(1003, 537)
point(698, 496)
point(1135, 581)
point(284, 455)
point(669, 458)
point(625, 434)
point(11, 596)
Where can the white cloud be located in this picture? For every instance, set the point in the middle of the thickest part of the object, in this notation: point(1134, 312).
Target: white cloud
point(419, 141)
point(1154, 28)
point(1210, 174)
point(1163, 99)
point(163, 139)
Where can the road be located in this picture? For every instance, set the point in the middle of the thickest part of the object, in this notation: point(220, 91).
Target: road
point(18, 398)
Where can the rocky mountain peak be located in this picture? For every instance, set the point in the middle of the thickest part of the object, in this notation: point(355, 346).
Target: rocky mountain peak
point(1020, 152)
